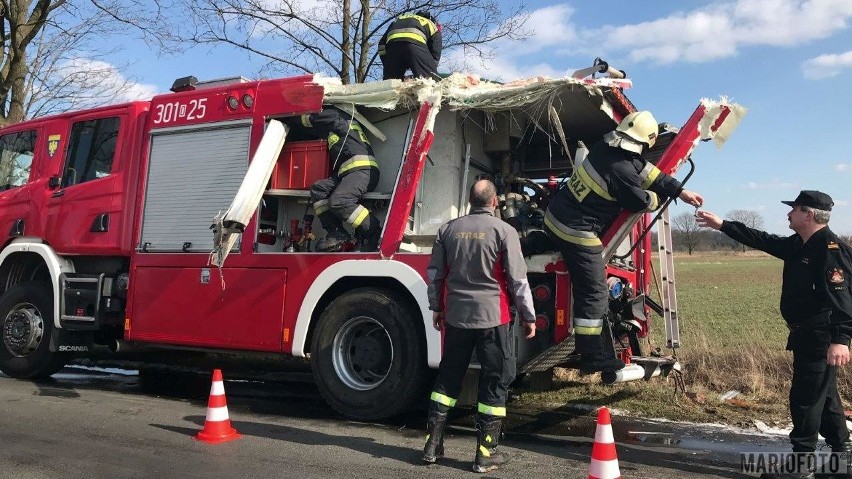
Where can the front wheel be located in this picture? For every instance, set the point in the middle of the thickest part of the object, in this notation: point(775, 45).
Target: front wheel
point(26, 323)
point(368, 356)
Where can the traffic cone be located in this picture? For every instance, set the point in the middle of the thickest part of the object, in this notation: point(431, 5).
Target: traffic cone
point(604, 463)
point(217, 425)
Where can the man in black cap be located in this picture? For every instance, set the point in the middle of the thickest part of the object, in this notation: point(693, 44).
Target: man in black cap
point(412, 42)
point(816, 303)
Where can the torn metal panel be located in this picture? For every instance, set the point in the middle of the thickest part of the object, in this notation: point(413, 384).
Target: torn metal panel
point(710, 126)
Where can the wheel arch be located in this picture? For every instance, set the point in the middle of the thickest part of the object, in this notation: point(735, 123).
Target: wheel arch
point(28, 259)
point(346, 275)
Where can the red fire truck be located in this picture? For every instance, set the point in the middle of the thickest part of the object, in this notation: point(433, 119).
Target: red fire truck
point(107, 219)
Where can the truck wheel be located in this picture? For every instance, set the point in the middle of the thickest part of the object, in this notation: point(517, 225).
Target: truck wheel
point(368, 356)
point(26, 322)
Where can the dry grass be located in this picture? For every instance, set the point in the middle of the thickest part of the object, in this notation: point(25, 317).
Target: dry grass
point(733, 338)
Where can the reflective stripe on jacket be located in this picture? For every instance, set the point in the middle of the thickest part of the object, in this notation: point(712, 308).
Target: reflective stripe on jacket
point(609, 180)
point(414, 29)
point(332, 124)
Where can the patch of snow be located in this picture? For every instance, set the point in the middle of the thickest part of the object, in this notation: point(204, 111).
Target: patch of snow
point(730, 395)
point(772, 431)
point(120, 372)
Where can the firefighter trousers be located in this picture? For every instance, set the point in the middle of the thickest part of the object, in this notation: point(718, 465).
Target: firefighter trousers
point(401, 56)
point(496, 357)
point(589, 292)
point(337, 200)
point(815, 405)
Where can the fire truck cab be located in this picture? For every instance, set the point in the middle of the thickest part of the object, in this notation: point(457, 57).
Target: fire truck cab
point(106, 217)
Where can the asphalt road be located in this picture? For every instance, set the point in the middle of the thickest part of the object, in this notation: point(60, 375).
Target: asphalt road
point(89, 424)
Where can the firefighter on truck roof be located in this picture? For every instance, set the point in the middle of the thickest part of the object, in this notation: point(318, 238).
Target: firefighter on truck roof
point(413, 41)
point(614, 176)
point(354, 172)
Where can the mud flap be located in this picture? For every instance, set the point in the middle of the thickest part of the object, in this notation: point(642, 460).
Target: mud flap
point(63, 341)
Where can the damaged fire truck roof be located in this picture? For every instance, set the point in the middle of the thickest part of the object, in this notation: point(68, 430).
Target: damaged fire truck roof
point(584, 105)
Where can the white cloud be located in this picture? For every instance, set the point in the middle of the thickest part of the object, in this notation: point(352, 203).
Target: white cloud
point(80, 83)
point(841, 203)
point(827, 66)
point(107, 78)
point(551, 29)
point(499, 68)
point(843, 167)
point(718, 30)
point(775, 183)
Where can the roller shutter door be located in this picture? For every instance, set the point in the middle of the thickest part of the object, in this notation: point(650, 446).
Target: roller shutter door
point(192, 176)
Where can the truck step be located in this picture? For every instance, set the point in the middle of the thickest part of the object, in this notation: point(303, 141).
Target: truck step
point(554, 356)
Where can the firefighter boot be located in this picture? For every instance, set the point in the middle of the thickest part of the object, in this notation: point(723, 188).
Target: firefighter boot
point(333, 240)
point(488, 436)
point(435, 425)
point(595, 357)
point(368, 234)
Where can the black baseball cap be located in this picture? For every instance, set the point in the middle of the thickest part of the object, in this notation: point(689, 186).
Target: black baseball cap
point(813, 199)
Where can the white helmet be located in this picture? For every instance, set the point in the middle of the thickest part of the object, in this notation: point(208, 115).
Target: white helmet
point(641, 126)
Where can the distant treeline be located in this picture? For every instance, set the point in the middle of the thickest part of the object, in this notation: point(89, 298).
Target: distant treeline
point(710, 240)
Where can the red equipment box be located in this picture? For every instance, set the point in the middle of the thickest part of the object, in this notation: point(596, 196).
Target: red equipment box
point(300, 164)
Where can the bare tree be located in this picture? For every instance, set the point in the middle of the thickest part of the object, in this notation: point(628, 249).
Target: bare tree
point(688, 231)
point(750, 218)
point(53, 50)
point(339, 37)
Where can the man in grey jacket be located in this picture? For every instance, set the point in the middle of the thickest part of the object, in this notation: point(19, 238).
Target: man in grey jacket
point(476, 270)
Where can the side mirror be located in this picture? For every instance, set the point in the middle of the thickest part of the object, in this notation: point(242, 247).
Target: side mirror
point(54, 181)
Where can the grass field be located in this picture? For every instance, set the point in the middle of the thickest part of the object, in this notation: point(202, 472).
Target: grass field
point(732, 337)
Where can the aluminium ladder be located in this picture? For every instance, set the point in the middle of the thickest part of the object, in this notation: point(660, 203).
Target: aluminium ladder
point(667, 276)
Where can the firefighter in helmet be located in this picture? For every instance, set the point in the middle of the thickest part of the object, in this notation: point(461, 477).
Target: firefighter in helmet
point(413, 41)
point(614, 176)
point(354, 172)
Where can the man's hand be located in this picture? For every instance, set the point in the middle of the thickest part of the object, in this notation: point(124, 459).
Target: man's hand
point(691, 197)
point(438, 320)
point(529, 328)
point(838, 355)
point(708, 220)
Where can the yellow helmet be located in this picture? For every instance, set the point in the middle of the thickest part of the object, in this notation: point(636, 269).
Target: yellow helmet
point(641, 126)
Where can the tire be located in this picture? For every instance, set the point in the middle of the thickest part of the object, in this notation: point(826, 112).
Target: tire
point(26, 324)
point(368, 355)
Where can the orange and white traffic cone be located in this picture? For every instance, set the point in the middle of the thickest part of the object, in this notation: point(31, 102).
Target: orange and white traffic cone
point(217, 425)
point(604, 463)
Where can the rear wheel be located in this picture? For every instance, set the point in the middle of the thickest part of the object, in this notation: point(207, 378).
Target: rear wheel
point(26, 323)
point(368, 356)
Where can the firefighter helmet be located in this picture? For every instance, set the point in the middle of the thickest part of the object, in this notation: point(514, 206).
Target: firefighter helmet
point(641, 126)
point(425, 14)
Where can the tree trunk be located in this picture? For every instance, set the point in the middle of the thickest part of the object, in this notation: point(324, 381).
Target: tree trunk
point(346, 43)
point(364, 50)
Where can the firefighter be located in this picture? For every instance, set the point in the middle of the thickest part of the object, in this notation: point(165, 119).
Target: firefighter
point(613, 176)
point(354, 172)
point(816, 304)
point(476, 265)
point(413, 41)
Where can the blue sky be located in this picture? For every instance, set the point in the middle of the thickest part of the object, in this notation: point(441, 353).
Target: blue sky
point(788, 61)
